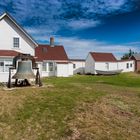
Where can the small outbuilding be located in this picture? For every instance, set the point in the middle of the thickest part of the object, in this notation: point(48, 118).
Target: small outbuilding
point(100, 61)
point(106, 62)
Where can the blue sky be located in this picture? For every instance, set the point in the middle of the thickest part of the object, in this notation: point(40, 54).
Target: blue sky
point(80, 25)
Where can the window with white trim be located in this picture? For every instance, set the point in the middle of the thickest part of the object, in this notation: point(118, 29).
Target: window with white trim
point(5, 65)
point(50, 66)
point(74, 66)
point(1, 66)
point(44, 66)
point(127, 65)
point(16, 42)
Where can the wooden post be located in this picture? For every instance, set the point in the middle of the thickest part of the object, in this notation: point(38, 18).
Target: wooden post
point(9, 79)
point(40, 83)
point(38, 79)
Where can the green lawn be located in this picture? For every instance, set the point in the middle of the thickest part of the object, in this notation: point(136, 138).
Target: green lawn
point(74, 108)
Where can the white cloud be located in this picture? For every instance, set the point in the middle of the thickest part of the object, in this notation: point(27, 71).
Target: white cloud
point(82, 24)
point(41, 31)
point(79, 48)
point(137, 43)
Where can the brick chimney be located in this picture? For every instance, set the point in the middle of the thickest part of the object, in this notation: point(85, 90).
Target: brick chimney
point(51, 42)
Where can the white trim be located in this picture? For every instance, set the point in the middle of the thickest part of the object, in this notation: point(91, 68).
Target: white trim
point(7, 56)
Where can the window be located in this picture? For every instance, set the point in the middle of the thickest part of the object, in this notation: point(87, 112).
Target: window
point(4, 65)
point(16, 42)
point(74, 66)
point(44, 66)
point(50, 66)
point(44, 50)
point(127, 65)
point(131, 65)
point(1, 66)
point(7, 65)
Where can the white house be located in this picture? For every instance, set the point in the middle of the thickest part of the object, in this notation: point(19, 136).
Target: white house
point(52, 60)
point(14, 40)
point(106, 62)
point(78, 66)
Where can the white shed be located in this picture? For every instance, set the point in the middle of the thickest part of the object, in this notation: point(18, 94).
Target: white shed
point(100, 61)
point(107, 62)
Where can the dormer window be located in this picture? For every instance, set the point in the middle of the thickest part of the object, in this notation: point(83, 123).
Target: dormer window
point(44, 49)
point(16, 42)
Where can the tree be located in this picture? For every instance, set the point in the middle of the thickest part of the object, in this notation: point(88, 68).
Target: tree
point(128, 55)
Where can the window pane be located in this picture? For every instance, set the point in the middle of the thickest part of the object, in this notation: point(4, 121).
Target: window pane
point(1, 63)
point(44, 67)
point(127, 65)
point(50, 66)
point(16, 42)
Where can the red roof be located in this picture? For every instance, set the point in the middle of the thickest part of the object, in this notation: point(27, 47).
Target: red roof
point(103, 57)
point(8, 53)
point(45, 52)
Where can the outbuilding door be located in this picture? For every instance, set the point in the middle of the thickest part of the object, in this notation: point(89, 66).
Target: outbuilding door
point(107, 66)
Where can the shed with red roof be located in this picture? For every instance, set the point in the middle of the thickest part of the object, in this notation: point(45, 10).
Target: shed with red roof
point(100, 61)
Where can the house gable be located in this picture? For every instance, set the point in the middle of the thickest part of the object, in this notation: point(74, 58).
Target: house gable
point(9, 29)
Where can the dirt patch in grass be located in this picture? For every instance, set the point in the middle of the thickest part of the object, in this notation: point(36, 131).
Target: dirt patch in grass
point(112, 117)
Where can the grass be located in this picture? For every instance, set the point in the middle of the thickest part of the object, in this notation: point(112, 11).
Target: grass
point(74, 108)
